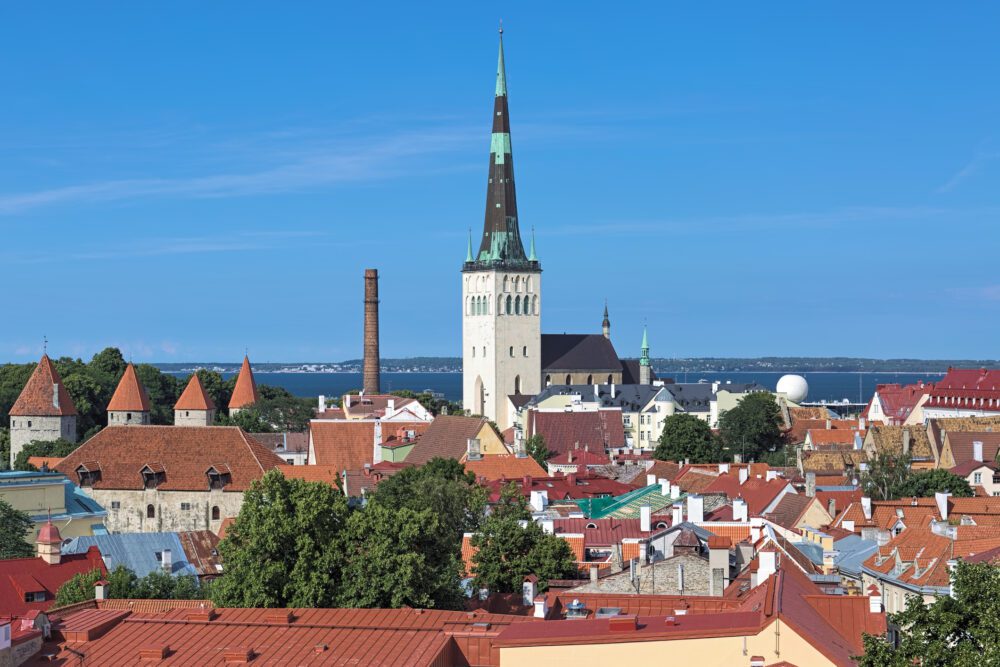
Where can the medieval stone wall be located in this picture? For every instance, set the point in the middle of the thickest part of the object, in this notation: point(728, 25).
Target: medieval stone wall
point(170, 509)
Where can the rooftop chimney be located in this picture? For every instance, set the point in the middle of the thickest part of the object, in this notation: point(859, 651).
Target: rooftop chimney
point(941, 498)
point(321, 403)
point(100, 590)
point(650, 479)
point(866, 507)
point(874, 599)
point(811, 484)
point(664, 487)
point(645, 518)
point(695, 508)
point(676, 514)
point(977, 450)
point(473, 449)
point(612, 390)
point(167, 561)
point(371, 362)
point(740, 509)
point(529, 590)
point(744, 474)
point(541, 607)
point(768, 565)
point(906, 441)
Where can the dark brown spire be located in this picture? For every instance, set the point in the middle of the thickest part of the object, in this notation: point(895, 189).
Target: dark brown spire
point(501, 241)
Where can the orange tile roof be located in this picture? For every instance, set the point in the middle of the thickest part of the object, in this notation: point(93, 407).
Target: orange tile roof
point(919, 557)
point(313, 473)
point(446, 437)
point(39, 461)
point(504, 466)
point(38, 398)
point(245, 391)
point(130, 395)
point(194, 397)
point(185, 454)
point(833, 436)
point(348, 444)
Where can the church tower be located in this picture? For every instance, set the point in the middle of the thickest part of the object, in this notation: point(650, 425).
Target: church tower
point(501, 289)
point(645, 376)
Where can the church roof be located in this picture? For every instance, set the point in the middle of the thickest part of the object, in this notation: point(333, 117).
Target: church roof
point(194, 397)
point(579, 352)
point(245, 391)
point(130, 394)
point(44, 394)
point(501, 243)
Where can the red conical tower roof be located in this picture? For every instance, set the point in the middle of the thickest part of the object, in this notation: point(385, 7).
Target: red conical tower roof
point(245, 391)
point(194, 397)
point(44, 395)
point(130, 396)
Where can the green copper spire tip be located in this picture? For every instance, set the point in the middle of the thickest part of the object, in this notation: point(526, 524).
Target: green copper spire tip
point(645, 341)
point(531, 254)
point(501, 72)
point(644, 358)
point(468, 253)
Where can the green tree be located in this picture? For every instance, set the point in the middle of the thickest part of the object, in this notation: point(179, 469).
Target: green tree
point(156, 585)
point(163, 391)
point(511, 546)
point(953, 631)
point(285, 547)
point(927, 483)
point(4, 449)
point(91, 399)
point(15, 526)
point(248, 419)
point(685, 437)
point(537, 449)
point(753, 427)
point(60, 448)
point(79, 588)
point(110, 362)
point(393, 559)
point(13, 377)
point(122, 583)
point(445, 488)
point(886, 474)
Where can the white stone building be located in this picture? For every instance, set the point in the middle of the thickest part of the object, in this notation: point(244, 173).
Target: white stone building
point(43, 411)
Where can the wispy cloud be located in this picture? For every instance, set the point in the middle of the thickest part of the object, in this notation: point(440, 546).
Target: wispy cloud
point(976, 164)
point(376, 160)
point(979, 293)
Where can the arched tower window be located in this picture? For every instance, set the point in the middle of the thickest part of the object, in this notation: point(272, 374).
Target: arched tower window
point(517, 305)
point(510, 307)
point(590, 379)
point(500, 305)
point(506, 284)
point(531, 284)
point(548, 380)
point(534, 305)
point(517, 384)
point(524, 351)
point(215, 513)
point(569, 379)
point(150, 512)
point(512, 350)
point(610, 379)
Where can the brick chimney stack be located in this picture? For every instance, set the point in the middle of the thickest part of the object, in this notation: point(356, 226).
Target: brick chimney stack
point(371, 363)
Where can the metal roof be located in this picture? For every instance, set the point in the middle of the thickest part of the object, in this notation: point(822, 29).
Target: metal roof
point(136, 551)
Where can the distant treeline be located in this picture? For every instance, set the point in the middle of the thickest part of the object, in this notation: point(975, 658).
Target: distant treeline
point(661, 364)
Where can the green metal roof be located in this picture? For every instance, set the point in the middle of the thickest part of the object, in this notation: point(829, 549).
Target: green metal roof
point(627, 506)
point(501, 72)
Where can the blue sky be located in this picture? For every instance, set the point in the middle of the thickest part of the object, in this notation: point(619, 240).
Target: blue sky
point(190, 179)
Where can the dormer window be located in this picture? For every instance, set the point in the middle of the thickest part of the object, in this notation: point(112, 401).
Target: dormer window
point(219, 476)
point(88, 473)
point(153, 474)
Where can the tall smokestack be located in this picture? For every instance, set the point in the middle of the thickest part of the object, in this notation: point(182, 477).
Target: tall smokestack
point(371, 364)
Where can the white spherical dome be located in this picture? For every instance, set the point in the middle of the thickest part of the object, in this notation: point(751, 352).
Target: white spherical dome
point(794, 387)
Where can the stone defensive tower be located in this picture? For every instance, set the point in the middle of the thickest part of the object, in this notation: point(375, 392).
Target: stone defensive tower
point(371, 362)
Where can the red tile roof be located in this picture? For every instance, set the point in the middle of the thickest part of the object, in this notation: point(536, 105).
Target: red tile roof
point(820, 437)
point(302, 636)
point(130, 395)
point(504, 466)
point(245, 391)
point(967, 388)
point(366, 479)
point(373, 405)
point(758, 493)
point(562, 487)
point(790, 509)
point(185, 454)
point(37, 399)
point(602, 532)
point(917, 511)
point(581, 457)
point(925, 554)
point(962, 448)
point(563, 431)
point(447, 437)
point(194, 397)
point(313, 473)
point(898, 401)
point(21, 576)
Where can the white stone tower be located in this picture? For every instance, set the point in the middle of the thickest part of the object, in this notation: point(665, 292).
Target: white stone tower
point(43, 410)
point(501, 290)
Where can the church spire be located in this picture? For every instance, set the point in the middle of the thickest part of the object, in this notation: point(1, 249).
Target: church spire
point(606, 322)
point(645, 377)
point(501, 241)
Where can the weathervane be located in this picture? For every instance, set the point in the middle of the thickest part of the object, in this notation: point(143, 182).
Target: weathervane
point(45, 344)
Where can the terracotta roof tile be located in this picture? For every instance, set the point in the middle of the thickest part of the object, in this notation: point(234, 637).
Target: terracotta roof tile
point(350, 444)
point(184, 452)
point(504, 466)
point(245, 391)
point(21, 576)
point(890, 439)
point(130, 395)
point(790, 509)
point(446, 437)
point(563, 431)
point(38, 398)
point(194, 397)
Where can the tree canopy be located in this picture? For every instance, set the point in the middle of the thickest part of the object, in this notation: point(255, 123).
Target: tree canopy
point(510, 546)
point(537, 449)
point(889, 477)
point(59, 448)
point(685, 437)
point(753, 428)
point(15, 526)
point(123, 584)
point(953, 631)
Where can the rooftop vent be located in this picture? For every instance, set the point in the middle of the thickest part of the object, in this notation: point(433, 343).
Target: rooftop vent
point(238, 656)
point(608, 612)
